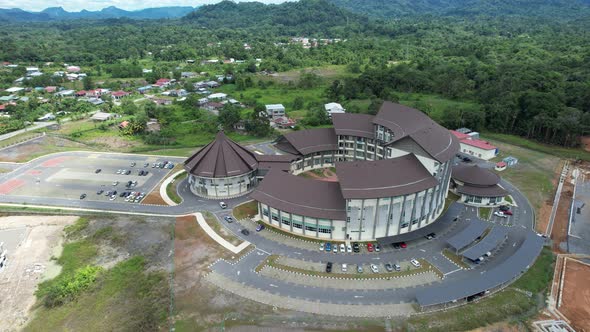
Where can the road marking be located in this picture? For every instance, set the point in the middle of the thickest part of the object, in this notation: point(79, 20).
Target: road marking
point(452, 272)
point(273, 285)
point(422, 250)
point(266, 252)
point(376, 258)
point(358, 296)
point(297, 253)
point(238, 273)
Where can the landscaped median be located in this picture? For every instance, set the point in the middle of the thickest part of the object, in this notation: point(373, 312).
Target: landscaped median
point(217, 237)
point(274, 261)
point(456, 259)
point(168, 188)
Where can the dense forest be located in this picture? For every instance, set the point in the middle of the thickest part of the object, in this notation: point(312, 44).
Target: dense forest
point(526, 63)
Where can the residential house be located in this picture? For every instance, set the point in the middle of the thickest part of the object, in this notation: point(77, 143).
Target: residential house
point(144, 89)
point(66, 93)
point(163, 82)
point(73, 69)
point(240, 126)
point(117, 95)
point(47, 117)
point(188, 74)
point(274, 111)
point(203, 101)
point(81, 93)
point(334, 108)
point(123, 124)
point(50, 89)
point(218, 95)
point(162, 101)
point(102, 116)
point(283, 122)
point(147, 71)
point(178, 93)
point(14, 89)
point(212, 84)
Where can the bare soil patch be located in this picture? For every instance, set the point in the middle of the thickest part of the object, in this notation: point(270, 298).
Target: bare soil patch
point(576, 295)
point(38, 147)
point(585, 141)
point(154, 198)
point(28, 260)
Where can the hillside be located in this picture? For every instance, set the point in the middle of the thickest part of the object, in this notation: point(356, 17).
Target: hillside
point(399, 8)
point(58, 13)
point(310, 17)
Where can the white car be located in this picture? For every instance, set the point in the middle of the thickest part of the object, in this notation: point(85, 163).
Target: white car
point(115, 183)
point(113, 197)
point(415, 262)
point(374, 268)
point(335, 248)
point(342, 247)
point(500, 214)
point(322, 246)
point(344, 267)
point(348, 248)
point(223, 205)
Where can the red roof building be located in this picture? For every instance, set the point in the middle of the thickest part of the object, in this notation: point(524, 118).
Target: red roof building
point(119, 94)
point(475, 147)
point(163, 82)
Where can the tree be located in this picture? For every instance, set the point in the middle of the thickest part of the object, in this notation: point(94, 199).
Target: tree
point(87, 82)
point(228, 117)
point(298, 103)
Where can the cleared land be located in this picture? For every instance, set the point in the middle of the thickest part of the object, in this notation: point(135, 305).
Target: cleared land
point(114, 276)
point(31, 242)
point(576, 295)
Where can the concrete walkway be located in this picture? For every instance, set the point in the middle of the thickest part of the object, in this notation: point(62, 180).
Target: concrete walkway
point(217, 238)
point(164, 186)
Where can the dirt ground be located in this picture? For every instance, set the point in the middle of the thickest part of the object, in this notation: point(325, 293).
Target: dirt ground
point(544, 212)
point(585, 140)
point(38, 147)
point(327, 175)
point(576, 295)
point(154, 197)
point(29, 262)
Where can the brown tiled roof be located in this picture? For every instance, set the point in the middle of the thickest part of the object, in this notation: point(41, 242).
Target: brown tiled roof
point(354, 124)
point(313, 140)
point(405, 121)
point(280, 162)
point(301, 196)
point(383, 178)
point(475, 175)
point(221, 158)
point(493, 191)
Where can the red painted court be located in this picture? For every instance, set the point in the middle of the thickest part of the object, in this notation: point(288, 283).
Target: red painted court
point(10, 185)
point(54, 162)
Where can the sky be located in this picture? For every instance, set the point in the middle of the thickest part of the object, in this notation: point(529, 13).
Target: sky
point(78, 5)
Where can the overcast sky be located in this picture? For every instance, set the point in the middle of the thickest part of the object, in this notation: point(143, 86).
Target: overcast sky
point(78, 5)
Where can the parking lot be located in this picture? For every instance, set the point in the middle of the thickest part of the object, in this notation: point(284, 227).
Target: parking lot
point(88, 176)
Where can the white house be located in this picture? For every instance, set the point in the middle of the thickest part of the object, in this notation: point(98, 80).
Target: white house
point(47, 117)
point(334, 108)
point(218, 95)
point(475, 147)
point(275, 110)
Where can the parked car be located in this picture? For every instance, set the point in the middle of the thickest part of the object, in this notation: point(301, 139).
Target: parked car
point(100, 192)
point(223, 205)
point(356, 247)
point(430, 236)
point(342, 247)
point(359, 268)
point(403, 245)
point(115, 183)
point(397, 267)
point(328, 247)
point(389, 267)
point(82, 196)
point(467, 159)
point(229, 219)
point(132, 164)
point(119, 171)
point(500, 214)
point(322, 246)
point(377, 247)
point(98, 170)
point(344, 267)
point(329, 267)
point(504, 207)
point(369, 247)
point(245, 231)
point(335, 248)
point(415, 262)
point(146, 165)
point(374, 268)
point(348, 248)
point(127, 172)
point(396, 245)
point(122, 194)
point(508, 213)
point(113, 197)
point(259, 227)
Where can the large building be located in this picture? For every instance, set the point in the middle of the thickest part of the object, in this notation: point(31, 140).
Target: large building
point(477, 186)
point(393, 172)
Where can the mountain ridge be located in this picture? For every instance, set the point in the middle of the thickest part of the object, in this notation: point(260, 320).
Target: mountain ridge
point(58, 13)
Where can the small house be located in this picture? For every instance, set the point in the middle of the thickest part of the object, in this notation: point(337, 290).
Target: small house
point(275, 110)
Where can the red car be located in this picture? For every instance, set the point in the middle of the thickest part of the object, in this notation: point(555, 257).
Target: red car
point(370, 247)
point(508, 213)
point(403, 245)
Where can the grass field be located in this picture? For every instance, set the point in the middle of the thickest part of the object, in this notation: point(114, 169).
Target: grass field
point(485, 213)
point(245, 210)
point(532, 175)
point(561, 152)
point(171, 189)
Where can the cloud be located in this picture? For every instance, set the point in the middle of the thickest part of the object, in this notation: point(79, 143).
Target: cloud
point(78, 5)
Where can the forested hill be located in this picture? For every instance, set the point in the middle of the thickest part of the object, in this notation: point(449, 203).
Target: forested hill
point(58, 13)
point(310, 17)
point(562, 9)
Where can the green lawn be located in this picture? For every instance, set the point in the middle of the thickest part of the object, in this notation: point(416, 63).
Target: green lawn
point(561, 152)
point(245, 210)
point(485, 213)
point(172, 187)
